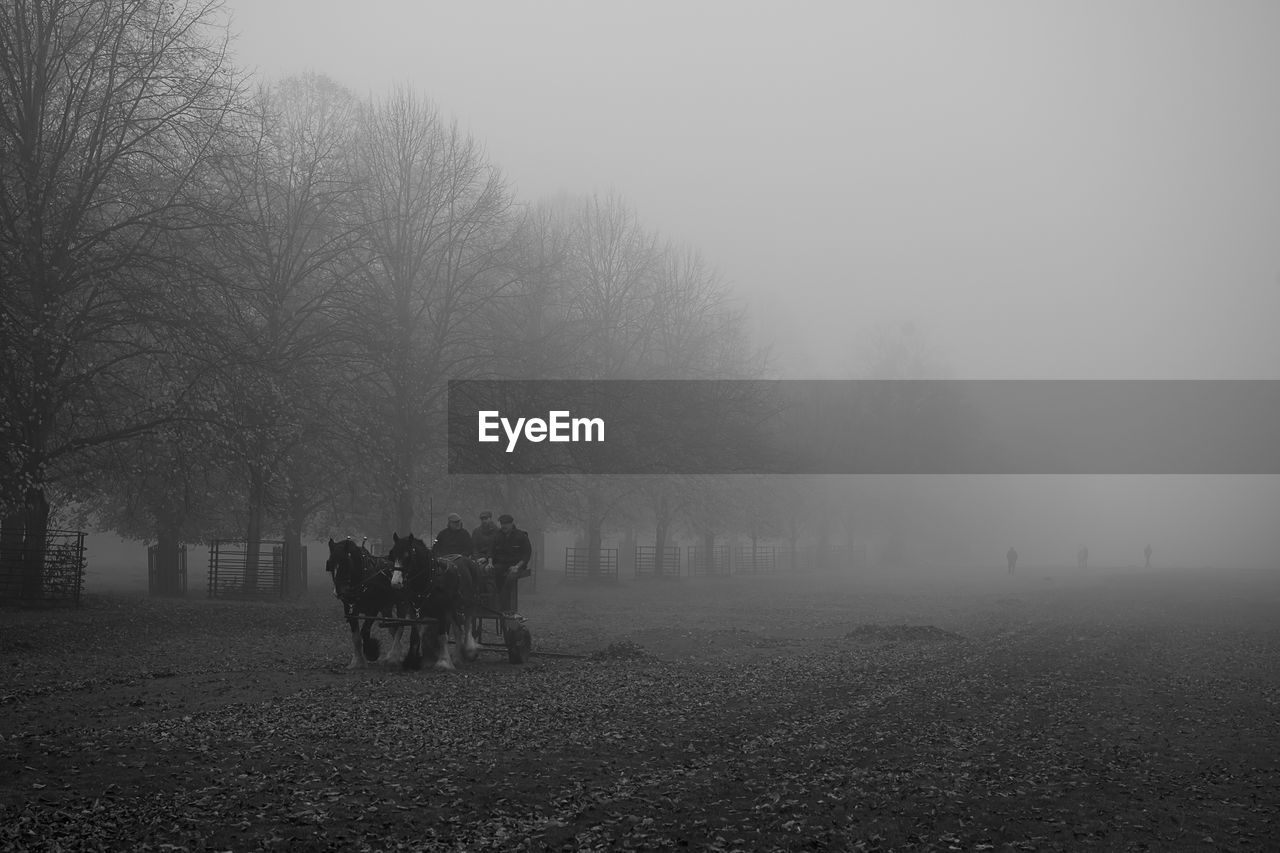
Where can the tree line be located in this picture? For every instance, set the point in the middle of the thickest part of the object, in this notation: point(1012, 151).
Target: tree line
point(231, 307)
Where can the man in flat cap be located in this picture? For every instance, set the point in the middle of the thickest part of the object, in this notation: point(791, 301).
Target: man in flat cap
point(454, 539)
point(482, 537)
point(511, 553)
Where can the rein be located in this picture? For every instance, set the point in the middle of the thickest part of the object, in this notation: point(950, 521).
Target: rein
point(418, 566)
point(351, 599)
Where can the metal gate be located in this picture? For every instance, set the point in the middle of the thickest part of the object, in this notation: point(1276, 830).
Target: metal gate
point(647, 561)
point(761, 560)
point(157, 585)
point(235, 573)
point(52, 573)
point(713, 562)
point(577, 563)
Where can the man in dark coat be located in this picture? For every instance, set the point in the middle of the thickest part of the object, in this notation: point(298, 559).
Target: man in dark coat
point(511, 553)
point(482, 537)
point(454, 539)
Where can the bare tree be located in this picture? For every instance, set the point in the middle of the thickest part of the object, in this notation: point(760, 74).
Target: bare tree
point(166, 487)
point(701, 328)
point(108, 114)
point(437, 234)
point(285, 253)
point(611, 290)
point(616, 302)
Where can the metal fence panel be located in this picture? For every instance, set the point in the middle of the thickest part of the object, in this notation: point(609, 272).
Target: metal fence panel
point(234, 573)
point(577, 563)
point(713, 562)
point(760, 560)
point(61, 568)
point(647, 561)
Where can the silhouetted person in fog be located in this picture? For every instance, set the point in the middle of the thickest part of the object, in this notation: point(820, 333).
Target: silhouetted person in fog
point(1012, 556)
point(1082, 559)
point(454, 539)
point(1147, 552)
point(511, 554)
point(482, 537)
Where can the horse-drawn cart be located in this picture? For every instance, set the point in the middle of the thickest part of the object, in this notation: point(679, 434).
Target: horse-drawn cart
point(413, 588)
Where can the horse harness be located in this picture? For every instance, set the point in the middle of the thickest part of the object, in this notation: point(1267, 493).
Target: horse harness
point(380, 566)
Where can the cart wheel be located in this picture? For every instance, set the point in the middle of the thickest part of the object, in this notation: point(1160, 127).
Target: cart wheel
point(519, 643)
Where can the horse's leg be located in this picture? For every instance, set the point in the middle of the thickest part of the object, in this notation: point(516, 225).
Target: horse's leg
point(357, 653)
point(395, 649)
point(470, 648)
point(413, 656)
point(371, 646)
point(444, 660)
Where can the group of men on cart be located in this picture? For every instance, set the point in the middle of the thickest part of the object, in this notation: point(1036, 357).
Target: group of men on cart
point(502, 548)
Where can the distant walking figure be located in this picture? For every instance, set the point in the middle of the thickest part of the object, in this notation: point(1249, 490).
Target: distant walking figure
point(1148, 553)
point(1013, 559)
point(1082, 559)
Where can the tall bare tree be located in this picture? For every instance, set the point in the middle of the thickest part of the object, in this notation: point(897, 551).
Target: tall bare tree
point(286, 254)
point(109, 111)
point(632, 306)
point(438, 236)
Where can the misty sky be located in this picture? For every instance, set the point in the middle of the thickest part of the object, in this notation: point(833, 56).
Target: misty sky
point(1046, 190)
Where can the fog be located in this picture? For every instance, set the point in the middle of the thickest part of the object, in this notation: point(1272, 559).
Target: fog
point(1053, 190)
point(1034, 191)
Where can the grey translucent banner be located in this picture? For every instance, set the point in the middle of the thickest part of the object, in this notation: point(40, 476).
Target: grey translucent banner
point(864, 427)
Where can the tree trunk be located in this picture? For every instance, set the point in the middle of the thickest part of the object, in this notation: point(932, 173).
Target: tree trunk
point(253, 534)
point(627, 553)
point(11, 559)
point(660, 550)
point(36, 529)
point(404, 513)
point(295, 574)
point(593, 547)
point(10, 553)
point(405, 423)
point(168, 559)
point(538, 538)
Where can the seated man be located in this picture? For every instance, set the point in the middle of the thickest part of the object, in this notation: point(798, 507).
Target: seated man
point(511, 553)
point(482, 539)
point(454, 539)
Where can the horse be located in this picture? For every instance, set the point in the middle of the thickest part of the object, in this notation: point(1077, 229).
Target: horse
point(362, 583)
point(443, 589)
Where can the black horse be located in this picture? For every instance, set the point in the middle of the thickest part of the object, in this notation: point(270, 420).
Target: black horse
point(362, 583)
point(443, 590)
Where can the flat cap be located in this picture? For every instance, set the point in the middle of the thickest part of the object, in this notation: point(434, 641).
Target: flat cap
point(505, 519)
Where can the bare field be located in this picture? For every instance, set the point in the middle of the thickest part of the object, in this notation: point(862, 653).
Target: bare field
point(1116, 709)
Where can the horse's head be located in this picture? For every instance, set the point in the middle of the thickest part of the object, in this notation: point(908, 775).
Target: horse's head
point(346, 564)
point(410, 559)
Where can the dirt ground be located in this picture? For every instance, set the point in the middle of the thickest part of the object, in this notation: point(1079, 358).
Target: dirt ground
point(963, 710)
